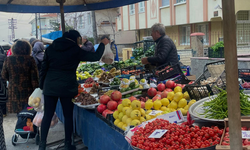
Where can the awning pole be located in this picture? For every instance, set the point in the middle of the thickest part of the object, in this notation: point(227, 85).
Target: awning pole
point(62, 14)
point(232, 84)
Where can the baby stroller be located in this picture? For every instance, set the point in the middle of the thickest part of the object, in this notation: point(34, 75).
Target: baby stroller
point(25, 128)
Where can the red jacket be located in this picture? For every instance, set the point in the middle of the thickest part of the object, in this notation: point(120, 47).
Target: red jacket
point(9, 53)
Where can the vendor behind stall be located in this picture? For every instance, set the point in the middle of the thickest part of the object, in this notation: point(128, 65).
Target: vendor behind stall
point(87, 45)
point(165, 51)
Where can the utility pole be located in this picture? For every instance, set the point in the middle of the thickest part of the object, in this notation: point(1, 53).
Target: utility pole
point(94, 26)
point(40, 27)
point(36, 26)
point(12, 25)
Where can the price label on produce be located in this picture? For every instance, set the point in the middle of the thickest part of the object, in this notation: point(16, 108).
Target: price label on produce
point(173, 117)
point(154, 112)
point(245, 134)
point(157, 133)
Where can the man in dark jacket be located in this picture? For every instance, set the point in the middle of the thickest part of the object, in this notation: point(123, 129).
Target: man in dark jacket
point(87, 45)
point(165, 51)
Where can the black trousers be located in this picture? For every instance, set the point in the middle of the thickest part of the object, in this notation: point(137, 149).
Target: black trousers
point(50, 103)
point(3, 106)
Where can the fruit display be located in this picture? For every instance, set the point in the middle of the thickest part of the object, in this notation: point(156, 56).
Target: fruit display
point(85, 99)
point(90, 68)
point(116, 82)
point(89, 83)
point(217, 107)
point(94, 89)
point(109, 75)
point(143, 84)
point(177, 136)
point(82, 76)
point(98, 73)
point(246, 85)
point(132, 94)
point(209, 80)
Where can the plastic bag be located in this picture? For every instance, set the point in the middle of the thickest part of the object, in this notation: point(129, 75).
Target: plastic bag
point(39, 117)
point(35, 98)
point(108, 56)
point(40, 108)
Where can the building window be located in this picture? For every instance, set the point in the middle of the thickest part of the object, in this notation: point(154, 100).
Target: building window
point(132, 9)
point(141, 7)
point(204, 28)
point(165, 2)
point(243, 36)
point(89, 19)
point(180, 1)
point(80, 22)
point(184, 35)
point(243, 15)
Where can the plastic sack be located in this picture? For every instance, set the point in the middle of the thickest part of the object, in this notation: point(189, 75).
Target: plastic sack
point(40, 108)
point(35, 98)
point(108, 56)
point(39, 117)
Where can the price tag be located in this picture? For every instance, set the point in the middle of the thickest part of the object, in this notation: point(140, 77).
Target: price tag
point(154, 112)
point(173, 117)
point(245, 134)
point(157, 133)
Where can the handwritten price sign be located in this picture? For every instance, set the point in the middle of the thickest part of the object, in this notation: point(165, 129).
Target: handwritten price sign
point(245, 134)
point(157, 133)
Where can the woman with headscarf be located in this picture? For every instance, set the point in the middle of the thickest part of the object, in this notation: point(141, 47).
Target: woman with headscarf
point(38, 53)
point(58, 80)
point(21, 71)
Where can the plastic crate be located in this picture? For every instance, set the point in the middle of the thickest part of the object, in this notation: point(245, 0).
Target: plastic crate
point(107, 120)
point(244, 74)
point(182, 79)
point(164, 72)
point(213, 63)
point(220, 83)
point(198, 92)
point(216, 54)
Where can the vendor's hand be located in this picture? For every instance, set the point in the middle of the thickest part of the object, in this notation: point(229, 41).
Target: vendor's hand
point(105, 41)
point(145, 60)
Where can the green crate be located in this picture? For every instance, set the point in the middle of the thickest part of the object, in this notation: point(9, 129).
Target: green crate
point(216, 54)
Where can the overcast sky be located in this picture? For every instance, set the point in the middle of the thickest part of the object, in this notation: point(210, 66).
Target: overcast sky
point(23, 26)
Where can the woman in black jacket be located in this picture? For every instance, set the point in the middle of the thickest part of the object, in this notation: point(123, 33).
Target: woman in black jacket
point(58, 80)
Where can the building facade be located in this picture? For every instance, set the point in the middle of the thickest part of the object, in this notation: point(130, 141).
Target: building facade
point(183, 17)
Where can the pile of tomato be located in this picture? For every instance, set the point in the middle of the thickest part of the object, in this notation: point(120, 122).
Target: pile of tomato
point(178, 137)
point(226, 139)
point(90, 85)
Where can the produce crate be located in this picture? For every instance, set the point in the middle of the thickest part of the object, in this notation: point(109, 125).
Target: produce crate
point(216, 54)
point(198, 92)
point(182, 79)
point(221, 62)
point(107, 120)
point(163, 73)
point(245, 121)
point(244, 74)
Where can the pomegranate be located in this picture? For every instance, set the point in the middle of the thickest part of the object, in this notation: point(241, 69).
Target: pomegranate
point(119, 102)
point(112, 105)
point(101, 108)
point(142, 104)
point(170, 84)
point(152, 92)
point(168, 90)
point(180, 85)
point(158, 93)
point(156, 97)
point(161, 87)
point(106, 112)
point(132, 98)
point(116, 95)
point(164, 94)
point(104, 99)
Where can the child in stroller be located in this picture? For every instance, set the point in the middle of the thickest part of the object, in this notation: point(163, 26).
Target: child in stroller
point(25, 128)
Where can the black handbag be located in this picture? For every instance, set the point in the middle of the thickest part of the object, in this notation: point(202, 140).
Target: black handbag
point(3, 93)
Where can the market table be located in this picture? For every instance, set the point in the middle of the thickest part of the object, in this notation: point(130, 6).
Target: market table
point(95, 133)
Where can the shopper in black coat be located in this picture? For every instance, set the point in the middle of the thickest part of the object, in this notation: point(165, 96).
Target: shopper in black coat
point(58, 80)
point(3, 105)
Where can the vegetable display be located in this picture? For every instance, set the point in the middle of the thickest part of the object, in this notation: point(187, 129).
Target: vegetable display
point(217, 108)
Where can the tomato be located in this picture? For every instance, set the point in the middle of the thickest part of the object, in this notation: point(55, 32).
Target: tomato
point(227, 129)
point(196, 135)
point(243, 128)
point(207, 136)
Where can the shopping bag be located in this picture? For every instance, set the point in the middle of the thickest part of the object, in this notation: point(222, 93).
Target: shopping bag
point(41, 105)
point(35, 98)
point(108, 56)
point(39, 117)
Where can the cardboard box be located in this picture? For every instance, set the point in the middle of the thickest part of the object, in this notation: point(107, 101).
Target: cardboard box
point(245, 121)
point(126, 53)
point(191, 77)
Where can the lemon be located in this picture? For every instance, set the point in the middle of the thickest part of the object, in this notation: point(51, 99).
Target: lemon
point(172, 109)
point(120, 124)
point(148, 111)
point(164, 108)
point(183, 111)
point(115, 114)
point(124, 127)
point(178, 96)
point(177, 89)
point(128, 111)
point(142, 112)
point(157, 105)
point(135, 114)
point(191, 102)
point(147, 117)
point(142, 80)
point(126, 102)
point(124, 110)
point(128, 121)
point(173, 105)
point(135, 122)
point(124, 118)
point(136, 105)
point(149, 104)
point(120, 107)
point(158, 114)
point(186, 96)
point(117, 121)
point(142, 119)
point(182, 103)
point(120, 115)
point(165, 101)
point(186, 107)
point(170, 96)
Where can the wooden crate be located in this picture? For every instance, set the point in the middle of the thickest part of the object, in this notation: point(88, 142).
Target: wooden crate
point(126, 53)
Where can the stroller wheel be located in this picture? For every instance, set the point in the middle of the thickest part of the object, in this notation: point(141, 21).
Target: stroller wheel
point(14, 140)
point(37, 139)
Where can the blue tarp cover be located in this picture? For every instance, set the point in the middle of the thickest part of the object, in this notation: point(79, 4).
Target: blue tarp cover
point(53, 35)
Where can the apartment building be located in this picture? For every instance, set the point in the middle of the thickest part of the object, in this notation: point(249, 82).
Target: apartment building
point(183, 17)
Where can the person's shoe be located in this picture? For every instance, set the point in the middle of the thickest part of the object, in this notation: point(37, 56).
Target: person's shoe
point(68, 146)
point(42, 145)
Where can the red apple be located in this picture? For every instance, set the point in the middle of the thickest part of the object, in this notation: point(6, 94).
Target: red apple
point(112, 105)
point(104, 99)
point(116, 95)
point(106, 112)
point(170, 84)
point(101, 108)
point(152, 92)
point(161, 87)
point(164, 94)
point(142, 104)
point(132, 98)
